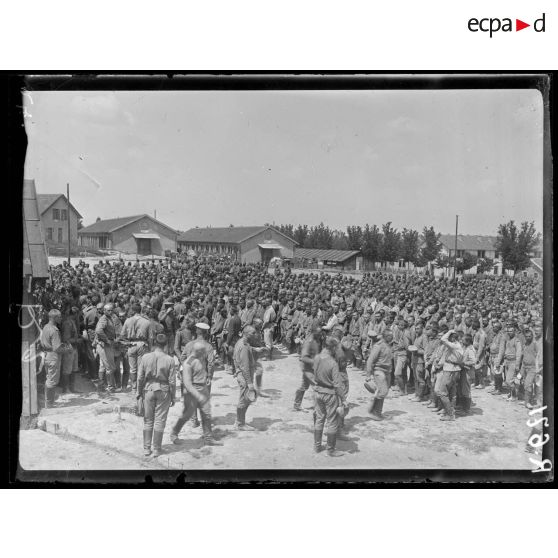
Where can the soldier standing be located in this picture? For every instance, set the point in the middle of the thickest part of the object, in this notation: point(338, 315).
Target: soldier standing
point(379, 365)
point(157, 385)
point(245, 365)
point(310, 349)
point(105, 335)
point(329, 397)
point(52, 345)
point(196, 380)
point(136, 330)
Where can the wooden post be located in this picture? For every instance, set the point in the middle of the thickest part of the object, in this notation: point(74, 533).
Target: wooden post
point(68, 217)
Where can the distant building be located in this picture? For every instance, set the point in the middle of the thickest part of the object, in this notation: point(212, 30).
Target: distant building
point(138, 234)
point(316, 258)
point(53, 209)
point(244, 244)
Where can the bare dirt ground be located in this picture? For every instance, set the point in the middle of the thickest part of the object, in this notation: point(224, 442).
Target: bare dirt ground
point(91, 434)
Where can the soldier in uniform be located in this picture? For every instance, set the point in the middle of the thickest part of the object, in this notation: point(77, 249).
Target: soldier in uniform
point(310, 349)
point(400, 344)
point(329, 397)
point(122, 371)
point(196, 380)
point(510, 358)
point(52, 345)
point(137, 332)
point(528, 367)
point(105, 336)
point(269, 319)
point(90, 319)
point(157, 385)
point(418, 362)
point(69, 358)
point(496, 337)
point(245, 367)
point(379, 365)
point(479, 344)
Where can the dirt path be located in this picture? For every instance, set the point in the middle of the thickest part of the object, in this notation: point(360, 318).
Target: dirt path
point(410, 437)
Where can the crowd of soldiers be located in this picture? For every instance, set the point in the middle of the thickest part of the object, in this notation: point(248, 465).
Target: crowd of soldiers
point(149, 326)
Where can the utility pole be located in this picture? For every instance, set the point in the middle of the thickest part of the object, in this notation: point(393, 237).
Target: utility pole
point(455, 247)
point(68, 217)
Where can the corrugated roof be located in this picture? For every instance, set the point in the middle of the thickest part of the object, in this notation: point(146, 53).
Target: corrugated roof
point(35, 258)
point(468, 242)
point(46, 200)
point(325, 255)
point(224, 235)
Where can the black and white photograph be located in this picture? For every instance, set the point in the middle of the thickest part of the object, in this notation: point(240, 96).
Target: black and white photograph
point(298, 277)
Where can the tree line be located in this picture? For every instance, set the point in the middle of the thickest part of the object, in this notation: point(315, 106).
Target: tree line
point(514, 243)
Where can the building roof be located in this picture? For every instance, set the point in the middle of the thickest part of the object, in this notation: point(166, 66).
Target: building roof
point(46, 200)
point(35, 258)
point(325, 255)
point(468, 242)
point(110, 225)
point(225, 235)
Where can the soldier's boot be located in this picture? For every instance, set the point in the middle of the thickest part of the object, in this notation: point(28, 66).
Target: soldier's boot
point(157, 442)
point(240, 423)
point(147, 435)
point(330, 447)
point(259, 391)
point(194, 422)
point(134, 381)
point(376, 410)
point(72, 383)
point(318, 434)
point(299, 396)
point(50, 397)
point(400, 384)
point(208, 439)
point(63, 383)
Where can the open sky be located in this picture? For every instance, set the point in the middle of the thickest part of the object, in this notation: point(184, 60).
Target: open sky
point(342, 157)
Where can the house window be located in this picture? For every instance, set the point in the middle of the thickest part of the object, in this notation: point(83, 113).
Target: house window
point(50, 232)
point(56, 214)
point(401, 263)
point(59, 235)
point(102, 242)
point(64, 214)
point(481, 253)
point(460, 253)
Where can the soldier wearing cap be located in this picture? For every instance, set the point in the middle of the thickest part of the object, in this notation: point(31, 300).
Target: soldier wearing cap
point(196, 380)
point(156, 385)
point(137, 332)
point(105, 335)
point(509, 359)
point(379, 365)
point(329, 397)
point(52, 345)
point(68, 358)
point(245, 367)
point(310, 349)
point(90, 319)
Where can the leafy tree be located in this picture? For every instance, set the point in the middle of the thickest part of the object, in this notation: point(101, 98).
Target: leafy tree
point(410, 245)
point(484, 265)
point(300, 234)
point(465, 263)
point(432, 245)
point(339, 241)
point(391, 248)
point(515, 245)
point(372, 243)
point(287, 230)
point(442, 261)
point(354, 237)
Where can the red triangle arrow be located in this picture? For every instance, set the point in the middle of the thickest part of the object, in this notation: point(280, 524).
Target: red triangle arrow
point(519, 25)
